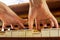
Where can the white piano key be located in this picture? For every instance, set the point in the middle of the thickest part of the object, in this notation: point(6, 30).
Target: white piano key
point(28, 33)
point(45, 32)
point(15, 33)
point(8, 34)
point(21, 33)
point(54, 32)
point(36, 34)
point(2, 34)
point(59, 32)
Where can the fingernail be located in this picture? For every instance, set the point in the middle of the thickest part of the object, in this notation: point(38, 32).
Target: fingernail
point(8, 29)
point(2, 29)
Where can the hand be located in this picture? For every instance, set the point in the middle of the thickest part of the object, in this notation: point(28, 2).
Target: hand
point(41, 14)
point(8, 17)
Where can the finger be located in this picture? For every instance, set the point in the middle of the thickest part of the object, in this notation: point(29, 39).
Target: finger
point(44, 24)
point(55, 22)
point(51, 23)
point(3, 27)
point(8, 29)
point(12, 27)
point(37, 23)
point(21, 25)
point(24, 21)
point(14, 24)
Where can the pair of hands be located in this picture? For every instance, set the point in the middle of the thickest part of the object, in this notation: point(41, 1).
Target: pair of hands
point(39, 14)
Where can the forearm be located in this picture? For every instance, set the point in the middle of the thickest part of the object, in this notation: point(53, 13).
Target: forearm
point(36, 3)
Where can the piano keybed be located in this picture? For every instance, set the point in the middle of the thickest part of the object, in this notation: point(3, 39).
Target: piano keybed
point(30, 33)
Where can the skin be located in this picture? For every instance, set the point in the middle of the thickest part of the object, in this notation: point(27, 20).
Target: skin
point(40, 12)
point(8, 17)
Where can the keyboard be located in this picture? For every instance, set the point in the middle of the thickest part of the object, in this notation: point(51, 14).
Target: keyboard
point(54, 32)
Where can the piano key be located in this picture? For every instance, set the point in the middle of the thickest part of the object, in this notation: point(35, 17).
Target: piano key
point(2, 34)
point(54, 32)
point(21, 33)
point(15, 33)
point(45, 32)
point(36, 34)
point(28, 33)
point(59, 32)
point(8, 33)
